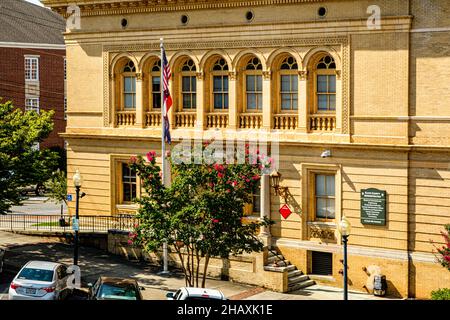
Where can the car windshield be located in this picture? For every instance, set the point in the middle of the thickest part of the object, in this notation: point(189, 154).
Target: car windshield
point(110, 291)
point(36, 274)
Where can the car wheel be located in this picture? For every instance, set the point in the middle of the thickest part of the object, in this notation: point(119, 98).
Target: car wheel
point(40, 190)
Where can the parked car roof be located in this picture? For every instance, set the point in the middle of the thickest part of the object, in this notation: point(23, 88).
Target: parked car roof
point(199, 292)
point(117, 280)
point(44, 265)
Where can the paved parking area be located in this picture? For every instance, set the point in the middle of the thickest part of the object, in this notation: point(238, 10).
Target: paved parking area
point(94, 263)
point(39, 205)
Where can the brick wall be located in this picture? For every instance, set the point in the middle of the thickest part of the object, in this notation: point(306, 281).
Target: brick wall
point(51, 84)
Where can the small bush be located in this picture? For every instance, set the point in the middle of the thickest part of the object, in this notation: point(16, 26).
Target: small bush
point(441, 294)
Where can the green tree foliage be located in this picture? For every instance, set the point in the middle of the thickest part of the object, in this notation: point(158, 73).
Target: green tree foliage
point(57, 187)
point(20, 163)
point(200, 214)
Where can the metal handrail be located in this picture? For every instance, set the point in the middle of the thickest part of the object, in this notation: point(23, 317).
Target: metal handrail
point(50, 223)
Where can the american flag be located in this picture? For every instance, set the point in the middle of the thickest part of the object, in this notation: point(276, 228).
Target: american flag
point(166, 94)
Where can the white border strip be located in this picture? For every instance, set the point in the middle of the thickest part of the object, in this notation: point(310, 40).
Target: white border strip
point(356, 250)
point(446, 29)
point(32, 45)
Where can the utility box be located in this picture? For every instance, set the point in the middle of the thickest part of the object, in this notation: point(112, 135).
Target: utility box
point(379, 285)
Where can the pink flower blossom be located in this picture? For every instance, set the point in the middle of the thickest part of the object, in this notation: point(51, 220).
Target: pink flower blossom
point(255, 178)
point(234, 183)
point(215, 220)
point(151, 156)
point(220, 175)
point(133, 159)
point(130, 242)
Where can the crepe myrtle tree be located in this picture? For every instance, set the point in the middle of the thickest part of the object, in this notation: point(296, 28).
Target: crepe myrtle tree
point(200, 215)
point(443, 252)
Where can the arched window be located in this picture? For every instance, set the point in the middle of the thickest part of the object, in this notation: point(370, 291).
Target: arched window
point(129, 86)
point(155, 85)
point(220, 85)
point(188, 85)
point(288, 97)
point(253, 85)
point(325, 85)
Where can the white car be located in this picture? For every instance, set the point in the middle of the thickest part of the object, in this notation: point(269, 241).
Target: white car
point(190, 293)
point(40, 280)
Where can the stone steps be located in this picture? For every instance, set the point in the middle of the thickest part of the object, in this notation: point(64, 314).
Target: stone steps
point(294, 273)
point(296, 279)
point(301, 285)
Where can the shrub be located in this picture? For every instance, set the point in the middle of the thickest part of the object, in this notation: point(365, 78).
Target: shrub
point(441, 294)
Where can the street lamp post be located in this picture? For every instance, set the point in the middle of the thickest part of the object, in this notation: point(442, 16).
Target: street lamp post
point(344, 228)
point(77, 181)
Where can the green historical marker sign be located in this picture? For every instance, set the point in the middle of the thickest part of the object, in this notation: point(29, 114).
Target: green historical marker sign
point(373, 207)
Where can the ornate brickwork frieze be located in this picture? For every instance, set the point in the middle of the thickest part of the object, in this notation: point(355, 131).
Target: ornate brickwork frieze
point(146, 6)
point(321, 233)
point(191, 45)
point(108, 77)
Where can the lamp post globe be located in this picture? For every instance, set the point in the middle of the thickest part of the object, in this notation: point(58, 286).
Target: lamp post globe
point(77, 179)
point(344, 227)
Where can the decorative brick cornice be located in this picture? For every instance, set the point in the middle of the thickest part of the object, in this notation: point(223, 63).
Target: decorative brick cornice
point(111, 7)
point(190, 45)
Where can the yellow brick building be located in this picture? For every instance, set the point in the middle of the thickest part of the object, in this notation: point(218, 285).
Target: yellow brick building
point(317, 75)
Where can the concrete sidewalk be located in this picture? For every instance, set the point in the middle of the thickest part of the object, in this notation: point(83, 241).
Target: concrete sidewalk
point(94, 263)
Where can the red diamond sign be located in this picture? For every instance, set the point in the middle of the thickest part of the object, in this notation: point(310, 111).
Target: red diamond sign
point(285, 211)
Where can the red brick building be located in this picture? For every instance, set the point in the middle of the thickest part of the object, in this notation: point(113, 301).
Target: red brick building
point(32, 64)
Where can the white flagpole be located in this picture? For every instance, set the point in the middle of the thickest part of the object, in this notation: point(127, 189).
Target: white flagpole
point(163, 145)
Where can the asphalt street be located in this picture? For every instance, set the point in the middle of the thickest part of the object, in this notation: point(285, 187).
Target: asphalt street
point(39, 205)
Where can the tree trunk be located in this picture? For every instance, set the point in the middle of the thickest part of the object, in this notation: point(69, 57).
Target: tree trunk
point(205, 268)
point(193, 266)
point(197, 271)
point(188, 266)
point(183, 268)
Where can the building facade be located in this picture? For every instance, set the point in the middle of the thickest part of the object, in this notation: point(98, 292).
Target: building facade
point(365, 80)
point(32, 64)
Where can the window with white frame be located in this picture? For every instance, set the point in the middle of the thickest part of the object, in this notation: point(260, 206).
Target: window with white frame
point(253, 85)
point(32, 68)
point(32, 104)
point(220, 85)
point(188, 85)
point(129, 86)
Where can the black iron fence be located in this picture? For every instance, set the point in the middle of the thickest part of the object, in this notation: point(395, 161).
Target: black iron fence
point(86, 223)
